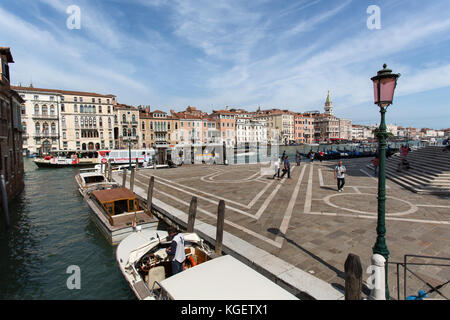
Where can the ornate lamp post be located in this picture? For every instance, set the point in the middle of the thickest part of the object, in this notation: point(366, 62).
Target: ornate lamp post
point(384, 84)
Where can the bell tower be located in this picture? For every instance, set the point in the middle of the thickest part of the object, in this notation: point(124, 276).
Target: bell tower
point(328, 105)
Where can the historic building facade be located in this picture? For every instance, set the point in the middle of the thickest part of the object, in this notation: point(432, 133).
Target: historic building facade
point(66, 120)
point(11, 152)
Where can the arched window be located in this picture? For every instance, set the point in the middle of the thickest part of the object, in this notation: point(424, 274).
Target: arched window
point(37, 127)
point(52, 110)
point(36, 109)
point(124, 132)
point(82, 121)
point(90, 122)
point(24, 126)
point(44, 110)
point(76, 119)
point(53, 128)
point(100, 122)
point(45, 127)
point(143, 125)
point(124, 118)
point(134, 132)
point(109, 122)
point(133, 118)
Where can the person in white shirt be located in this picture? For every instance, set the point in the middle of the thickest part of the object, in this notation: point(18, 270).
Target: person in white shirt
point(176, 249)
point(339, 174)
point(277, 168)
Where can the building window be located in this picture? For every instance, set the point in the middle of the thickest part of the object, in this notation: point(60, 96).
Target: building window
point(62, 108)
point(75, 108)
point(143, 125)
point(75, 99)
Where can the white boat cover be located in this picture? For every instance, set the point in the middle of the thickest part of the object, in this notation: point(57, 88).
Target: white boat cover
point(223, 278)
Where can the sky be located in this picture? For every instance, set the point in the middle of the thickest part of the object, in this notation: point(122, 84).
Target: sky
point(169, 54)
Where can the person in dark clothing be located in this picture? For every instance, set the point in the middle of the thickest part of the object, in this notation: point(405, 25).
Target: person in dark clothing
point(287, 168)
point(283, 156)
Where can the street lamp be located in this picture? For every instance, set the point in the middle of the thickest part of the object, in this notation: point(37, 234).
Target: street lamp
point(384, 84)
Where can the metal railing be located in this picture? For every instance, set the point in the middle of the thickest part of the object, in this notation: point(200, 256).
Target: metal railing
point(406, 269)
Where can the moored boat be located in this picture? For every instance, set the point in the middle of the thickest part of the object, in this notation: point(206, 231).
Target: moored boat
point(89, 179)
point(144, 263)
point(117, 212)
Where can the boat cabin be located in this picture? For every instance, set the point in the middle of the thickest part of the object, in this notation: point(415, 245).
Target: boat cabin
point(117, 201)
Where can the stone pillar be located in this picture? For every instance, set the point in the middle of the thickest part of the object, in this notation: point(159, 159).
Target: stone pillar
point(377, 269)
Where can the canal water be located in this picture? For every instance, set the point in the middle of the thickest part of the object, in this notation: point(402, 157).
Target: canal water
point(50, 230)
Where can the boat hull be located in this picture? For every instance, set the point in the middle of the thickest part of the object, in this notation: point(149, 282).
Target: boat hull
point(46, 164)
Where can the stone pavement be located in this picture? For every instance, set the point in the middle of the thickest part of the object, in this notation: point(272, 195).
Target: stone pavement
point(307, 223)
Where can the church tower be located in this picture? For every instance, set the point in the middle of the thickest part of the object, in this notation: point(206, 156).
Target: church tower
point(328, 105)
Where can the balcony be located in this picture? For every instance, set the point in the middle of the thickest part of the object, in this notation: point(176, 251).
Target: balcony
point(45, 116)
point(46, 135)
point(133, 138)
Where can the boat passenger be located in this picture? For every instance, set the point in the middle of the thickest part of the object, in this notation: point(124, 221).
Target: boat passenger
point(176, 249)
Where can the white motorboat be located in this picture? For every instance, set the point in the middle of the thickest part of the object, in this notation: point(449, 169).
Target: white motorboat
point(144, 263)
point(92, 179)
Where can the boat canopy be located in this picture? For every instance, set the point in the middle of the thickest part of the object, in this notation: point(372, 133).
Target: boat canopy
point(223, 278)
point(112, 195)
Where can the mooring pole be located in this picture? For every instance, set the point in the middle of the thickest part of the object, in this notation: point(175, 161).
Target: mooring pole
point(109, 171)
point(124, 177)
point(151, 184)
point(4, 200)
point(220, 223)
point(132, 178)
point(353, 277)
point(192, 214)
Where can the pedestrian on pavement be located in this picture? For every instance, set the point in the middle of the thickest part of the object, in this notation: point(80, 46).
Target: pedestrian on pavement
point(283, 156)
point(375, 163)
point(287, 168)
point(277, 168)
point(311, 155)
point(297, 158)
point(339, 174)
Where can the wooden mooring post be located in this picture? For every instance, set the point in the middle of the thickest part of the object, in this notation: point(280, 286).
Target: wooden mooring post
point(151, 184)
point(109, 171)
point(192, 214)
point(133, 170)
point(353, 277)
point(124, 177)
point(220, 223)
point(4, 200)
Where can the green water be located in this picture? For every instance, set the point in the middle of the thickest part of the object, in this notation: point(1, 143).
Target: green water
point(51, 229)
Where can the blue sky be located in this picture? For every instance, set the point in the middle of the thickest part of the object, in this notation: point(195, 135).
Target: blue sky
point(287, 54)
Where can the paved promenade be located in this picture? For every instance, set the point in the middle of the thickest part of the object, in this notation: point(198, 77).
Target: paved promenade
point(307, 223)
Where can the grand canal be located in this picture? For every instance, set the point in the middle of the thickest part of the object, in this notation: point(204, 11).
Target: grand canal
point(51, 229)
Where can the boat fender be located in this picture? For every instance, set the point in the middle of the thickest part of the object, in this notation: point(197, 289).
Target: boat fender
point(189, 263)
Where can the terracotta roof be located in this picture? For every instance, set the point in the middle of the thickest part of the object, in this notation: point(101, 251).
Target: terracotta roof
point(110, 195)
point(74, 93)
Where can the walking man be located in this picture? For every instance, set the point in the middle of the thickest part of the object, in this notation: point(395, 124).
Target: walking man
point(375, 163)
point(176, 249)
point(287, 168)
point(297, 158)
point(339, 174)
